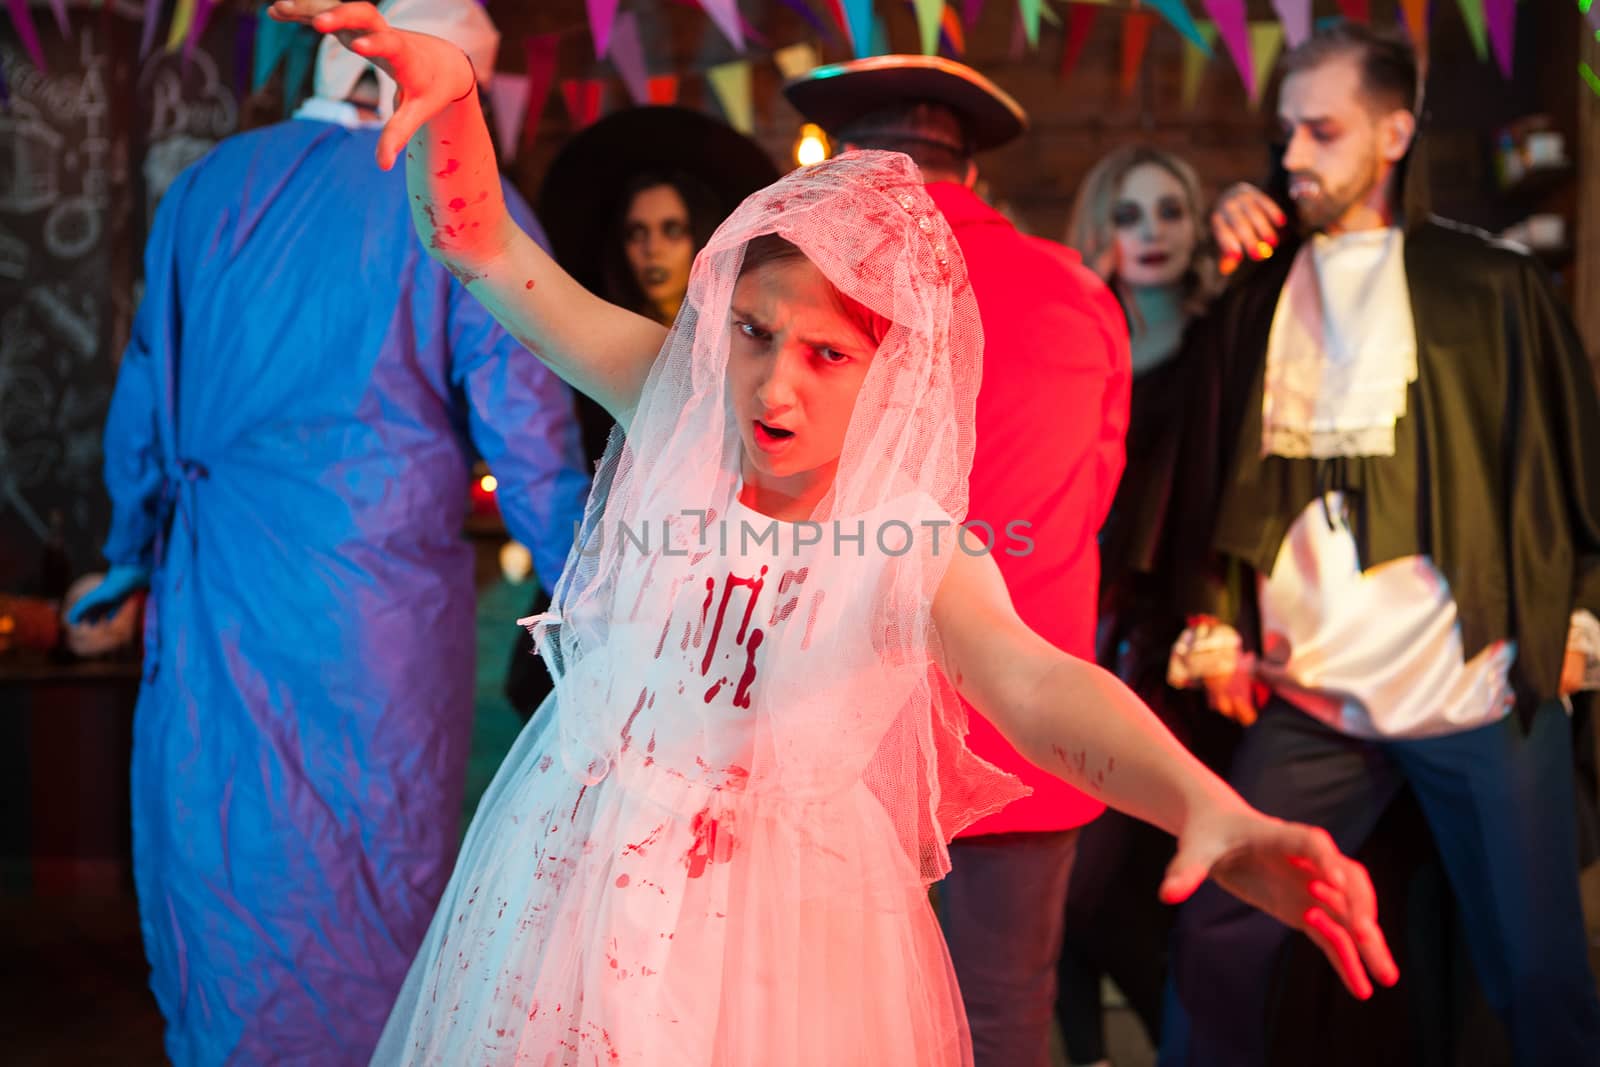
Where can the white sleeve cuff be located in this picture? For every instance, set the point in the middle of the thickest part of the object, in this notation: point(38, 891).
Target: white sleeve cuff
point(1583, 637)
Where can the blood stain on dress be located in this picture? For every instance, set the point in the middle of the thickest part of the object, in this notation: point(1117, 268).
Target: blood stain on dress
point(811, 620)
point(741, 696)
point(713, 843)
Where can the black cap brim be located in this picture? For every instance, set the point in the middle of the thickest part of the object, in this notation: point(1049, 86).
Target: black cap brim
point(836, 95)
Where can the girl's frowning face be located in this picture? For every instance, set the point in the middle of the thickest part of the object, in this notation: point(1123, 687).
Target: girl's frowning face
point(797, 362)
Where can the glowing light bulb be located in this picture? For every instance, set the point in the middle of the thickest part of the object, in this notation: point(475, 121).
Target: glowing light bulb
point(812, 145)
point(488, 483)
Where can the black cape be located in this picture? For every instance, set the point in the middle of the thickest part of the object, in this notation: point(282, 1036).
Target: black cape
point(1496, 475)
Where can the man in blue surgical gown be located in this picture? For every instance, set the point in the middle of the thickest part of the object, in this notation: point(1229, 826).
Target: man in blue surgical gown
point(288, 455)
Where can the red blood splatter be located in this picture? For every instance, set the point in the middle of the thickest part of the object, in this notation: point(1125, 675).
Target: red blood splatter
point(649, 840)
point(784, 609)
point(749, 608)
point(450, 167)
point(627, 738)
point(715, 688)
point(705, 612)
point(622, 881)
point(713, 843)
point(458, 204)
point(816, 602)
point(741, 696)
point(529, 285)
point(544, 764)
point(660, 644)
point(732, 582)
point(575, 803)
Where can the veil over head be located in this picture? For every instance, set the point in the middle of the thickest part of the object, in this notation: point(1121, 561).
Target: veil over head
point(864, 220)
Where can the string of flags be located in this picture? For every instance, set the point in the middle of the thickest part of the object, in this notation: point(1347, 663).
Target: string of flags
point(942, 26)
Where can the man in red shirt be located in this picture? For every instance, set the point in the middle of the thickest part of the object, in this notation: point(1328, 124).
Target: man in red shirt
point(1051, 416)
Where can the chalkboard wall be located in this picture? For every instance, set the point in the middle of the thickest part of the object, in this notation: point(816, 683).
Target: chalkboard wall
point(87, 146)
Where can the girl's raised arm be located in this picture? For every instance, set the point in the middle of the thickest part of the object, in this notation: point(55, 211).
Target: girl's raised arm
point(460, 213)
point(1082, 724)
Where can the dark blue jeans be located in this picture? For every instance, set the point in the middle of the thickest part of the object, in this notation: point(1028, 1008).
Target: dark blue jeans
point(1001, 907)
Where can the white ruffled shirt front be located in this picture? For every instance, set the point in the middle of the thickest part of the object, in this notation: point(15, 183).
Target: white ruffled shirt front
point(1342, 351)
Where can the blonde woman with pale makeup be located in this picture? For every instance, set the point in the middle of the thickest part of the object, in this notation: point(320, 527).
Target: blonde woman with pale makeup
point(1139, 222)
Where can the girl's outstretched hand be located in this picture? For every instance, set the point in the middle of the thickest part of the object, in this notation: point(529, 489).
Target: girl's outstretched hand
point(431, 73)
point(1296, 874)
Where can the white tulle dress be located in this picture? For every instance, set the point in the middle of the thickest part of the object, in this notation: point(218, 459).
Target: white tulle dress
point(663, 914)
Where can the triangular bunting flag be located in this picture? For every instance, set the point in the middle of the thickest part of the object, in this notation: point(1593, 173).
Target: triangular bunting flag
point(794, 60)
point(1234, 29)
point(726, 15)
point(508, 97)
point(147, 34)
point(803, 9)
point(731, 83)
point(1501, 16)
point(1296, 18)
point(182, 16)
point(929, 15)
point(1136, 27)
point(1355, 10)
point(58, 8)
point(273, 41)
point(542, 51)
point(627, 56)
point(601, 15)
point(1019, 38)
point(858, 21)
point(664, 89)
point(970, 10)
point(1029, 10)
point(584, 98)
point(880, 37)
point(1266, 40)
point(1415, 14)
point(841, 18)
point(244, 42)
point(297, 67)
point(1177, 13)
point(23, 21)
point(197, 29)
point(952, 33)
point(1472, 12)
point(1080, 20)
point(1194, 63)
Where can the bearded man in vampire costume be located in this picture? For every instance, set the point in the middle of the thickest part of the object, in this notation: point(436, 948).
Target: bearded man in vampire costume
point(1399, 448)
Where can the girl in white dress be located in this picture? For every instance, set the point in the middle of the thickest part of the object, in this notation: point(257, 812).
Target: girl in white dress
point(712, 844)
